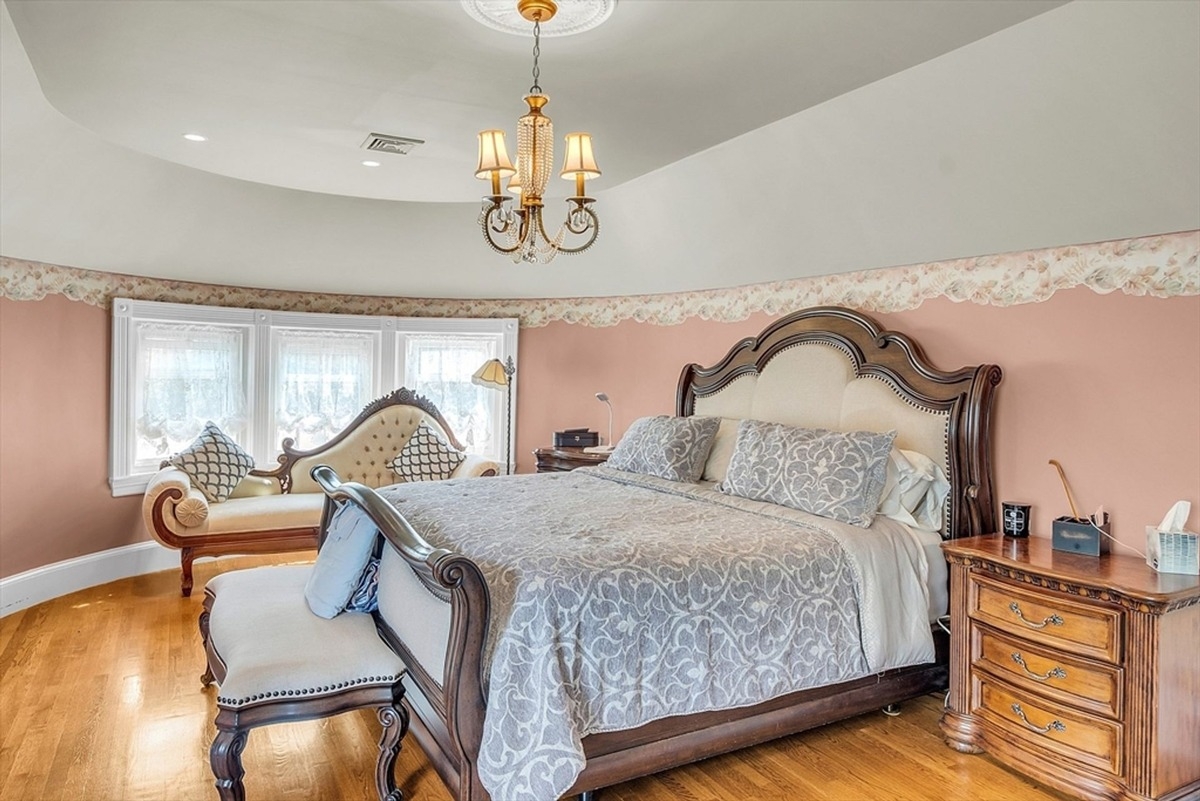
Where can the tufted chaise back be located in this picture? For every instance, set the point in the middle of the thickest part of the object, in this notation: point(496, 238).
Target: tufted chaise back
point(363, 454)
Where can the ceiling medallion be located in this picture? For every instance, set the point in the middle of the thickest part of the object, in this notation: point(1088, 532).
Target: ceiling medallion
point(519, 232)
point(573, 16)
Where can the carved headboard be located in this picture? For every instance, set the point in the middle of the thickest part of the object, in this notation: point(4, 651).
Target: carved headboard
point(835, 368)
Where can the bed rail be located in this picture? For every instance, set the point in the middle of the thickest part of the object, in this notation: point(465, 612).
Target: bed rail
point(448, 715)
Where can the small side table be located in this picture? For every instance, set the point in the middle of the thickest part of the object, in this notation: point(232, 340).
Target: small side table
point(560, 460)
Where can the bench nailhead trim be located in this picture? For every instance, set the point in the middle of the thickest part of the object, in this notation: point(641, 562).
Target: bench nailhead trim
point(344, 685)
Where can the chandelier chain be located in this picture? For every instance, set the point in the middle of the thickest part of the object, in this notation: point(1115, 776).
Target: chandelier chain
point(537, 51)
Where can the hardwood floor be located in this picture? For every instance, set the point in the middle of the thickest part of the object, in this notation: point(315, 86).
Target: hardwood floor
point(100, 700)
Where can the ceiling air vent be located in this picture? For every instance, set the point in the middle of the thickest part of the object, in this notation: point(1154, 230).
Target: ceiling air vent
point(391, 144)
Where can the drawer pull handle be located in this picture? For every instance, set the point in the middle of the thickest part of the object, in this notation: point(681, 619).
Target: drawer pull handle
point(1053, 620)
point(1054, 725)
point(1056, 673)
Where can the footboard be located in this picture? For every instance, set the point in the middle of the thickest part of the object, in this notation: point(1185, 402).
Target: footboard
point(435, 616)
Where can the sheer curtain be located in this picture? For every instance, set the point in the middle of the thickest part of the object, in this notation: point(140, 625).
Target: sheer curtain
point(185, 376)
point(440, 367)
point(322, 381)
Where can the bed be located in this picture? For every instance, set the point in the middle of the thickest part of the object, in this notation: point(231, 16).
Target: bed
point(487, 591)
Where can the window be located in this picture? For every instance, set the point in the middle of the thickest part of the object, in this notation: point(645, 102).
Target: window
point(265, 376)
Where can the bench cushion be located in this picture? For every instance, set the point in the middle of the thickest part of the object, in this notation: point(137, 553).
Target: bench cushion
point(273, 646)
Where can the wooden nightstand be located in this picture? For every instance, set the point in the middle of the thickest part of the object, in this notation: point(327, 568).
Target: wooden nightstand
point(1082, 672)
point(560, 460)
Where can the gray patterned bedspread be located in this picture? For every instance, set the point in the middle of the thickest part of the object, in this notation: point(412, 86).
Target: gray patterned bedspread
point(620, 599)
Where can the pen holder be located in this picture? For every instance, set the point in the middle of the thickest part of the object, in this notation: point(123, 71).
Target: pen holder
point(1078, 535)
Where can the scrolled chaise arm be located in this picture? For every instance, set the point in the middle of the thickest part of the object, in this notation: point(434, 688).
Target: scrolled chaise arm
point(475, 466)
point(172, 505)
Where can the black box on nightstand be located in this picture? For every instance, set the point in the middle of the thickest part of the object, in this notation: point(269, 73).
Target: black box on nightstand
point(1079, 536)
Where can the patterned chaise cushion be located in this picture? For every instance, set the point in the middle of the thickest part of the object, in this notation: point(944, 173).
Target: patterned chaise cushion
point(674, 448)
point(214, 463)
point(835, 474)
point(425, 457)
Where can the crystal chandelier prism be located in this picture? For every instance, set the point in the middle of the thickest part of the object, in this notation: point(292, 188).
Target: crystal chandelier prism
point(517, 229)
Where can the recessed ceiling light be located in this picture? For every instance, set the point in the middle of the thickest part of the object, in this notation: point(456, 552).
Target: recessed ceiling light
point(195, 138)
point(370, 163)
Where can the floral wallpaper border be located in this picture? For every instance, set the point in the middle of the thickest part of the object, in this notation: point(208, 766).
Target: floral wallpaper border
point(1160, 266)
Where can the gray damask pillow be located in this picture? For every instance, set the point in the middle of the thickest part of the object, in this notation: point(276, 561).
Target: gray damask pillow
point(835, 474)
point(674, 448)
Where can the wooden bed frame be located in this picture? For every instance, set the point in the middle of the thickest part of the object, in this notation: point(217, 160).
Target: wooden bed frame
point(447, 716)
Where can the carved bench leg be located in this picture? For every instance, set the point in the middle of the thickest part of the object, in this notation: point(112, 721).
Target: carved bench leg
point(207, 677)
point(225, 757)
point(185, 564)
point(395, 724)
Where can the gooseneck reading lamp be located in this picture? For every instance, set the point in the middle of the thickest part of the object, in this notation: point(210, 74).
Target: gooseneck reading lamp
point(495, 374)
point(603, 398)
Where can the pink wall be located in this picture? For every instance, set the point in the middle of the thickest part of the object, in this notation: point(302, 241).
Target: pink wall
point(1086, 382)
point(54, 498)
point(1109, 385)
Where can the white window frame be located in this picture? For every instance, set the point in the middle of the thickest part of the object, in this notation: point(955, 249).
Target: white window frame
point(260, 388)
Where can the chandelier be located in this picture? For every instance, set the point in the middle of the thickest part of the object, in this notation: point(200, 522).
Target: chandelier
point(517, 229)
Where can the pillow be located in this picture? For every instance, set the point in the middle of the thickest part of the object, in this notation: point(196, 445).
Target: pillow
point(674, 448)
point(214, 463)
point(835, 474)
point(425, 457)
point(915, 490)
point(343, 559)
point(717, 464)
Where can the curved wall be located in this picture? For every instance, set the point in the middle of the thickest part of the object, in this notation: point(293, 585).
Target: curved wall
point(1107, 382)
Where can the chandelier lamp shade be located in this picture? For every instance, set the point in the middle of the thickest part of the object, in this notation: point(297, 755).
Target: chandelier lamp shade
point(512, 220)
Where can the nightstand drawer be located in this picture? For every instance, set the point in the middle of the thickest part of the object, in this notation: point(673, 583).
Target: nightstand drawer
point(1047, 618)
point(1078, 682)
point(1048, 726)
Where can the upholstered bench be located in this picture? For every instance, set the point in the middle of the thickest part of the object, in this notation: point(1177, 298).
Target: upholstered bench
point(276, 661)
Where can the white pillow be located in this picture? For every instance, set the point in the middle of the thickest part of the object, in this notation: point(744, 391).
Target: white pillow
point(914, 491)
point(722, 450)
point(341, 561)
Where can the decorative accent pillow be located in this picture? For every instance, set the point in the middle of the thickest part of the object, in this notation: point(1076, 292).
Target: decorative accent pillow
point(674, 448)
point(425, 457)
point(214, 463)
point(835, 474)
point(345, 555)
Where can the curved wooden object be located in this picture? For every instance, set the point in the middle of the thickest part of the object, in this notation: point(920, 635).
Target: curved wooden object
point(302, 538)
point(448, 711)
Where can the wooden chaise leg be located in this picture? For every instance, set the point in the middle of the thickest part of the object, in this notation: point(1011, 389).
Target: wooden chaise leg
point(395, 725)
point(225, 757)
point(185, 564)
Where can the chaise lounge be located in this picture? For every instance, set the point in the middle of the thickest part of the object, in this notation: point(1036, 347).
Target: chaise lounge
point(279, 510)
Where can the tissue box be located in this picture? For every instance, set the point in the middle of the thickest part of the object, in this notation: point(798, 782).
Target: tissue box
point(1079, 536)
point(1173, 551)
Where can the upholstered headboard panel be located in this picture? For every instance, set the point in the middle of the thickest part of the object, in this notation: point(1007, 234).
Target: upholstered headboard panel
point(837, 369)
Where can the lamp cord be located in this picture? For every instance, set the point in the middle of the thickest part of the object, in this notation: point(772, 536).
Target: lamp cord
point(537, 51)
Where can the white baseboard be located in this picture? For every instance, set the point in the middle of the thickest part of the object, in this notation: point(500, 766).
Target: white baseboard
point(60, 578)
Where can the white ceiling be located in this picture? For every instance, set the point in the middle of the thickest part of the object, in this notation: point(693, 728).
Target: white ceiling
point(287, 91)
point(742, 142)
